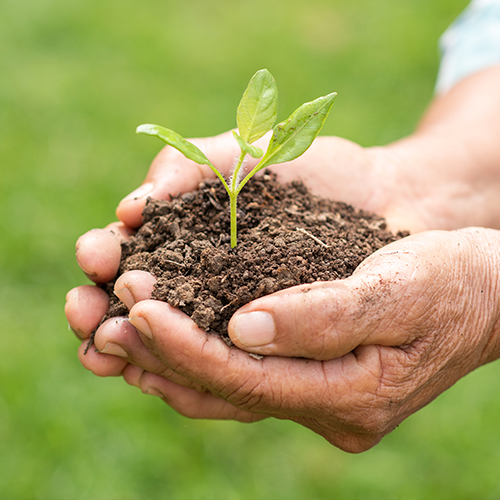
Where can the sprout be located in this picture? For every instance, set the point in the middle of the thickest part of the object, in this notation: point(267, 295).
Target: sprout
point(256, 115)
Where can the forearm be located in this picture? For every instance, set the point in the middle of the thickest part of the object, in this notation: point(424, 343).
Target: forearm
point(449, 169)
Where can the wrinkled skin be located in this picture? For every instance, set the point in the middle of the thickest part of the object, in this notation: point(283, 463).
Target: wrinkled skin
point(349, 359)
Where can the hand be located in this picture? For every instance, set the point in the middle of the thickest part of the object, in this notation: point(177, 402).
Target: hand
point(433, 179)
point(331, 167)
point(414, 318)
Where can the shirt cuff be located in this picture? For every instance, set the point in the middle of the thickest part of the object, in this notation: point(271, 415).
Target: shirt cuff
point(471, 44)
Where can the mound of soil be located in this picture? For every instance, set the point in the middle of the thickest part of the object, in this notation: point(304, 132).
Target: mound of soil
point(286, 237)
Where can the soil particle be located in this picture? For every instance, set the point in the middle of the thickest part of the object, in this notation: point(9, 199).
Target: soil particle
point(286, 237)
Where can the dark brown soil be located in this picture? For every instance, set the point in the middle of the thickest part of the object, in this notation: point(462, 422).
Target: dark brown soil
point(286, 237)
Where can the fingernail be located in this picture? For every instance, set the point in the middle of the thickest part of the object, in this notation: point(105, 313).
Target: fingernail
point(125, 295)
point(255, 329)
point(79, 334)
point(153, 391)
point(140, 192)
point(90, 274)
point(115, 349)
point(142, 325)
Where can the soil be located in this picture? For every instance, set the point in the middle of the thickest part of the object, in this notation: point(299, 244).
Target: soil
point(286, 237)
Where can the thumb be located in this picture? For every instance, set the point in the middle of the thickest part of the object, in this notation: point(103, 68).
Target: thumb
point(326, 320)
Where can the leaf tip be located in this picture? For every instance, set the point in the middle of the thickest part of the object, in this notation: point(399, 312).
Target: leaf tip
point(264, 71)
point(331, 97)
point(145, 128)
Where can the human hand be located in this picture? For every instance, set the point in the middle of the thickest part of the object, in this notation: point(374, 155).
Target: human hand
point(414, 318)
point(353, 178)
point(444, 176)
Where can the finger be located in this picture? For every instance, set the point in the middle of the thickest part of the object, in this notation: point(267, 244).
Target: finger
point(102, 365)
point(122, 231)
point(330, 397)
point(118, 337)
point(134, 286)
point(132, 375)
point(326, 320)
point(192, 403)
point(171, 174)
point(272, 386)
point(98, 253)
point(85, 307)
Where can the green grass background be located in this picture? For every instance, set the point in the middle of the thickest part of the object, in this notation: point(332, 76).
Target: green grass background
point(75, 80)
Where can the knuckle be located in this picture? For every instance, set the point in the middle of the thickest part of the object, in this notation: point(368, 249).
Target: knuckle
point(252, 401)
point(164, 371)
point(317, 313)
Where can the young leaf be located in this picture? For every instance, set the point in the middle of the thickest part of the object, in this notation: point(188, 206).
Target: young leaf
point(247, 148)
point(188, 149)
point(292, 137)
point(258, 108)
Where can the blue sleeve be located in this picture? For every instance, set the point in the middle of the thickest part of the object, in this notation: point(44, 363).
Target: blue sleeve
point(471, 44)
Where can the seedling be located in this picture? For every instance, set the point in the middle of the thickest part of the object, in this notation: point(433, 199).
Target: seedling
point(256, 115)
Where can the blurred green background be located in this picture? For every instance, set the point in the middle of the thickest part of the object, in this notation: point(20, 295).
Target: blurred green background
point(75, 80)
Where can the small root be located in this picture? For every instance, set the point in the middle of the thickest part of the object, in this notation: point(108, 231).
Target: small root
point(317, 240)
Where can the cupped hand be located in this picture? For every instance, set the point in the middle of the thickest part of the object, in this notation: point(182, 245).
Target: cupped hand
point(348, 359)
point(331, 167)
point(344, 359)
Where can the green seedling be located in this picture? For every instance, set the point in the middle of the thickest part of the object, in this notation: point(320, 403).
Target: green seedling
point(256, 115)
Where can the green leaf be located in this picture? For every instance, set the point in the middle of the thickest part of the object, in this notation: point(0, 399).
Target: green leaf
point(188, 149)
point(292, 137)
point(258, 108)
point(247, 148)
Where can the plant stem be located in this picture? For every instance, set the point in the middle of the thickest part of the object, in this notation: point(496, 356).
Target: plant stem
point(234, 180)
point(233, 197)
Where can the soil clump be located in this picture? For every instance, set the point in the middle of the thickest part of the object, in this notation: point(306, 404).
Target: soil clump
point(286, 237)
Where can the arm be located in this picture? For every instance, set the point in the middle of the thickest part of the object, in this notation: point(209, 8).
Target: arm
point(451, 165)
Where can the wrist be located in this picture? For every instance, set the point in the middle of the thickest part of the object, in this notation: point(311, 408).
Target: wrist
point(443, 181)
point(450, 164)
